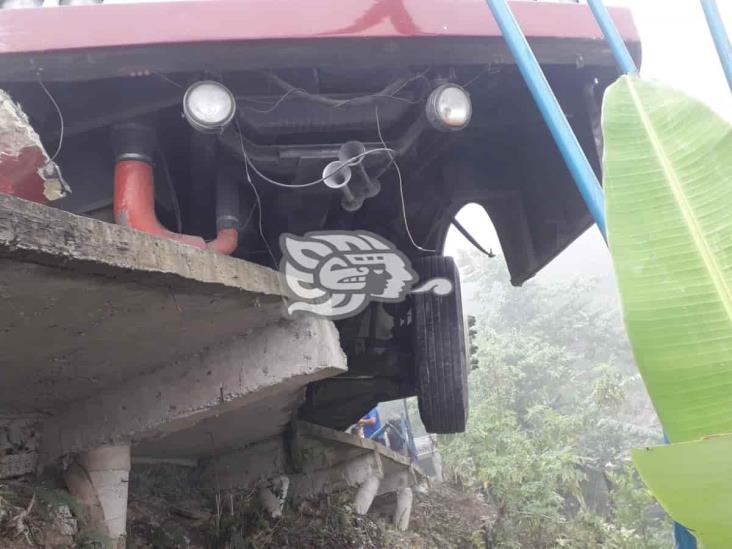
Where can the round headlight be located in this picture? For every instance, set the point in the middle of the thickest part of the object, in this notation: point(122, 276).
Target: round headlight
point(449, 108)
point(208, 106)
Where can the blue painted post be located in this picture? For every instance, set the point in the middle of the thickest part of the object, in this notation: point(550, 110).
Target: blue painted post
point(682, 537)
point(721, 41)
point(564, 137)
point(625, 62)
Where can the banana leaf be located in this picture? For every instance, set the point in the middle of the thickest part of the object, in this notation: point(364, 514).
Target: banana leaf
point(693, 482)
point(668, 183)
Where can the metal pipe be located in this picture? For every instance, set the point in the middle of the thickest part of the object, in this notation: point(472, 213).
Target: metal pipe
point(134, 206)
point(227, 214)
point(134, 202)
point(546, 101)
point(225, 243)
point(134, 192)
point(625, 62)
point(719, 34)
point(200, 201)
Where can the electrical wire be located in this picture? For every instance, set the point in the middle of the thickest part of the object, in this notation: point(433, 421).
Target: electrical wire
point(248, 219)
point(256, 195)
point(261, 230)
point(311, 183)
point(60, 117)
point(168, 79)
point(489, 69)
point(273, 105)
point(391, 94)
point(419, 76)
point(337, 105)
point(386, 93)
point(392, 162)
point(401, 185)
point(292, 90)
point(248, 164)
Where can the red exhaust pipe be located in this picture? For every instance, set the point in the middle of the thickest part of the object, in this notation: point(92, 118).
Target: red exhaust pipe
point(134, 202)
point(134, 206)
point(225, 243)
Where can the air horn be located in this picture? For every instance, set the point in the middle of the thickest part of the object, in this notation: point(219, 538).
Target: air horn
point(339, 173)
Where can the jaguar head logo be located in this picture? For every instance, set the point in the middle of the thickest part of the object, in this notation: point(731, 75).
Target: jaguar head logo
point(337, 274)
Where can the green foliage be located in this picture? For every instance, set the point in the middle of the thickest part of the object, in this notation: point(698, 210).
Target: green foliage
point(55, 498)
point(667, 168)
point(555, 405)
point(693, 480)
point(668, 164)
point(91, 539)
point(607, 390)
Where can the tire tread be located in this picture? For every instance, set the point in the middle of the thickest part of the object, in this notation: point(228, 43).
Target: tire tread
point(439, 348)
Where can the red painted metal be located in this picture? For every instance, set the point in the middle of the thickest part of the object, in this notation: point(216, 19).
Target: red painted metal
point(134, 206)
point(134, 202)
point(226, 242)
point(145, 24)
point(19, 174)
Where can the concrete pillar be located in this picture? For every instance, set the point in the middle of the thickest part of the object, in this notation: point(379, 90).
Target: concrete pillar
point(99, 480)
point(366, 494)
point(403, 508)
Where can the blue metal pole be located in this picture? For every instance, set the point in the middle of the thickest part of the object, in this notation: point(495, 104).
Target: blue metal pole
point(721, 41)
point(682, 537)
point(625, 62)
point(566, 140)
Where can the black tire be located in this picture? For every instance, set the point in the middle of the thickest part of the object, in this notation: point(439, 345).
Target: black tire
point(438, 342)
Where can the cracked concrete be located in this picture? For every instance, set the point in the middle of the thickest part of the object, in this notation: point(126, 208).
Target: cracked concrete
point(88, 305)
point(119, 337)
point(228, 396)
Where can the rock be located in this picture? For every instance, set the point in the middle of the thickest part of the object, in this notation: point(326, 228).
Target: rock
point(64, 521)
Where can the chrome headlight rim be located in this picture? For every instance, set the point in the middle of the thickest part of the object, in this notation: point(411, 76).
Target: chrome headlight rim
point(205, 126)
point(432, 108)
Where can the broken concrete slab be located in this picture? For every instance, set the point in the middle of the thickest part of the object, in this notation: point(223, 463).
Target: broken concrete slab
point(122, 340)
point(208, 395)
point(88, 305)
point(317, 460)
point(247, 467)
point(265, 414)
point(314, 447)
point(327, 460)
